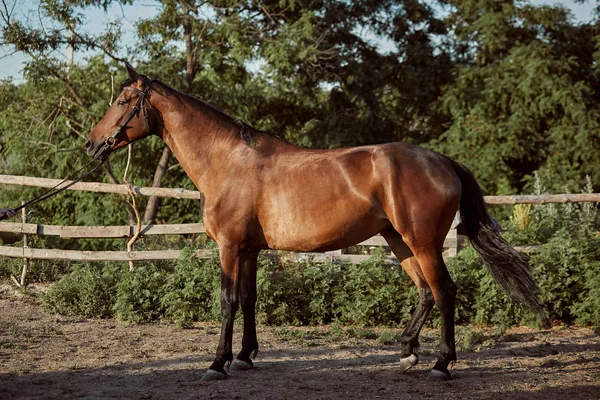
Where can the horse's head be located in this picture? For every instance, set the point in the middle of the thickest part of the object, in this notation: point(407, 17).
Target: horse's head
point(129, 118)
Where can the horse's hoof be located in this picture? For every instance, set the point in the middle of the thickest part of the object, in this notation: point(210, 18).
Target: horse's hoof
point(437, 375)
point(212, 375)
point(240, 365)
point(407, 363)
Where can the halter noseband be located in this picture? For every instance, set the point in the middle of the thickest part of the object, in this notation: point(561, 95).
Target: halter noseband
point(111, 141)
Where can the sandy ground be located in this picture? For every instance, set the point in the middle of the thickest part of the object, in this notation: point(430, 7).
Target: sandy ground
point(54, 357)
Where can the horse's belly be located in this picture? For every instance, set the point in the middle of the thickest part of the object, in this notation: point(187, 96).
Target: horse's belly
point(324, 235)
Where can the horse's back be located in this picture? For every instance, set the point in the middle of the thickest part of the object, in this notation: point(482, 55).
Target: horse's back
point(320, 200)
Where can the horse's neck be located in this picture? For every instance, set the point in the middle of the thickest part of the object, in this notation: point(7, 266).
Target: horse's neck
point(199, 136)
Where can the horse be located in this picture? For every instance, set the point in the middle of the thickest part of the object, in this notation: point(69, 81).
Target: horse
point(261, 192)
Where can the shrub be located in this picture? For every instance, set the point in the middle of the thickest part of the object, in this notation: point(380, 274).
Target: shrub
point(39, 270)
point(374, 293)
point(192, 291)
point(139, 294)
point(85, 291)
point(298, 293)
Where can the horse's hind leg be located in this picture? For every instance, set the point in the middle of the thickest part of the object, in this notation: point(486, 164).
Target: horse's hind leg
point(249, 350)
point(444, 292)
point(410, 335)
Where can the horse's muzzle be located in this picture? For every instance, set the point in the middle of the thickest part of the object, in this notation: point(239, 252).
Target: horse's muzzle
point(96, 150)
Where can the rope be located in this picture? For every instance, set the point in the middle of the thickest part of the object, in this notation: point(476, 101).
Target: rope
point(56, 189)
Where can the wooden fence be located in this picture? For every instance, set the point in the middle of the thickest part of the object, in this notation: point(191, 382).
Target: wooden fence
point(126, 231)
point(452, 242)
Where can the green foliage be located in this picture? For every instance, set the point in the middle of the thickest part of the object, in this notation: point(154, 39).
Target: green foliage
point(296, 293)
point(525, 97)
point(86, 291)
point(309, 293)
point(374, 293)
point(139, 294)
point(564, 268)
point(192, 291)
point(566, 265)
point(38, 271)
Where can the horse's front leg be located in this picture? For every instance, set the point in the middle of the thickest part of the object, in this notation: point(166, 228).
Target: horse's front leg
point(232, 259)
point(249, 350)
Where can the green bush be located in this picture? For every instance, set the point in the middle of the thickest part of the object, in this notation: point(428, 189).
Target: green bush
point(139, 294)
point(192, 291)
point(374, 293)
point(38, 271)
point(297, 293)
point(86, 291)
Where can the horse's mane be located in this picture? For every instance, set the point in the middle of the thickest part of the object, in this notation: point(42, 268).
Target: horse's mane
point(247, 133)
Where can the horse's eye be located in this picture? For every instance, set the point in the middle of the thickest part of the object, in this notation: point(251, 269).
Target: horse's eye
point(121, 103)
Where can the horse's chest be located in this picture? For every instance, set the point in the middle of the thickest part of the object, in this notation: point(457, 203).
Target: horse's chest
point(231, 224)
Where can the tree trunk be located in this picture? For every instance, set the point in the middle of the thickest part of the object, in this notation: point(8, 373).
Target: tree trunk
point(154, 202)
point(191, 60)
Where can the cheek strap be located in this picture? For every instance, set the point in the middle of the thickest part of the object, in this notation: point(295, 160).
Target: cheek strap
point(111, 141)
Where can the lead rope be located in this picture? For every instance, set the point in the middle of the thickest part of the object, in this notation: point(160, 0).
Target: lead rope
point(133, 205)
point(56, 189)
point(109, 143)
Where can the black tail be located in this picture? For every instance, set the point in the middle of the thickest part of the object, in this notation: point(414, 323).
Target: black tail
point(509, 268)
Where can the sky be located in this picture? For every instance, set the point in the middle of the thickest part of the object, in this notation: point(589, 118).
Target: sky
point(11, 65)
point(96, 19)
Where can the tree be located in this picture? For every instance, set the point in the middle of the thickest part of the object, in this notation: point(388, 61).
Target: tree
point(525, 96)
point(309, 71)
point(59, 27)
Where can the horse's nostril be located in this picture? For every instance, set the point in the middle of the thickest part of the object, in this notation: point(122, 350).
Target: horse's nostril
point(88, 144)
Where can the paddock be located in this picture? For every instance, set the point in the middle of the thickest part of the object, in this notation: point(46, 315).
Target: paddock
point(55, 357)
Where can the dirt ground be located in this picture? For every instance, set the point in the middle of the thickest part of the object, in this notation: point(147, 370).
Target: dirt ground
point(53, 357)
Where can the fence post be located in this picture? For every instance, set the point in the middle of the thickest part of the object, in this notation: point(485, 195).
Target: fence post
point(23, 280)
point(453, 248)
point(25, 246)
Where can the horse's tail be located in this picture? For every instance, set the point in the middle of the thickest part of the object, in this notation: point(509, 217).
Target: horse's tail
point(509, 268)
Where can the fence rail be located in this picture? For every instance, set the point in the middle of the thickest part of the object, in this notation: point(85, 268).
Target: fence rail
point(453, 240)
point(99, 187)
point(78, 232)
point(543, 199)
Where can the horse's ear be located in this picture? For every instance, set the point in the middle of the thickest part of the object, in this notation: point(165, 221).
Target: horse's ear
point(132, 73)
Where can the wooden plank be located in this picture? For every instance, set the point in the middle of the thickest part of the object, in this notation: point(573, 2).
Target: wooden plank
point(376, 240)
point(325, 257)
point(358, 258)
point(72, 232)
point(18, 227)
point(544, 199)
point(99, 187)
point(99, 231)
point(172, 229)
point(77, 255)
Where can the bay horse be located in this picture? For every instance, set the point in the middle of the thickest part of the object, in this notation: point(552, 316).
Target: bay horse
point(261, 192)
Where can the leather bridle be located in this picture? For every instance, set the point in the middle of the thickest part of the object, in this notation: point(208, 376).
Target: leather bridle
point(140, 105)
